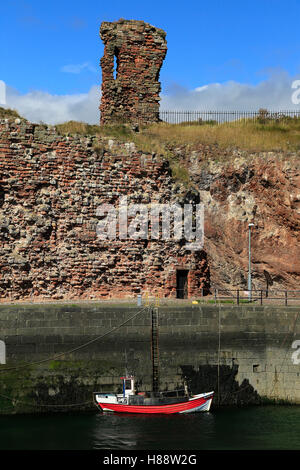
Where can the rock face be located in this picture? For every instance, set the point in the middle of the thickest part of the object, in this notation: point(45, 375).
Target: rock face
point(133, 55)
point(238, 188)
point(50, 189)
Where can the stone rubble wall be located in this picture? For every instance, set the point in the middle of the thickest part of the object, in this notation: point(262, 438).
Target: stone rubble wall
point(50, 189)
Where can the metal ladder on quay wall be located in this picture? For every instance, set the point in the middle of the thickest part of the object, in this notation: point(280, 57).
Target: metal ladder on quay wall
point(154, 349)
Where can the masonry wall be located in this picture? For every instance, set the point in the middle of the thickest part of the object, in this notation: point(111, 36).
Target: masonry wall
point(133, 55)
point(50, 189)
point(62, 353)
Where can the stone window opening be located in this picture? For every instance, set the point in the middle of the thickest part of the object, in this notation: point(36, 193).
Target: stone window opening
point(116, 63)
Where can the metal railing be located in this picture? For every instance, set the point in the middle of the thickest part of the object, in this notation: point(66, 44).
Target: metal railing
point(215, 295)
point(219, 117)
point(256, 296)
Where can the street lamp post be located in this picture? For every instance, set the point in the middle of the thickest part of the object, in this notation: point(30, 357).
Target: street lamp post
point(249, 269)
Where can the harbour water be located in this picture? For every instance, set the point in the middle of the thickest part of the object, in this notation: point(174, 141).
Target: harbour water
point(253, 428)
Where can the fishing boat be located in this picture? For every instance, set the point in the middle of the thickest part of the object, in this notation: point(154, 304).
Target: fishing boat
point(154, 402)
point(150, 402)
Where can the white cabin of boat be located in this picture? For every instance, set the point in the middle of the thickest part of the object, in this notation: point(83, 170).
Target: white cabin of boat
point(128, 385)
point(112, 397)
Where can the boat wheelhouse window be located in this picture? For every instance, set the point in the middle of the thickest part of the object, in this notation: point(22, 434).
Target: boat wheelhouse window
point(127, 384)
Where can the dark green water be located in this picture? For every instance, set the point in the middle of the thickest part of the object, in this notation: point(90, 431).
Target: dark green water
point(255, 428)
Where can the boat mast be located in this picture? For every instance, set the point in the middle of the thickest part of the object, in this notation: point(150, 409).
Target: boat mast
point(154, 349)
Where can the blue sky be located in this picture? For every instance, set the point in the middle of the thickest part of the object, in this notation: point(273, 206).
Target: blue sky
point(54, 47)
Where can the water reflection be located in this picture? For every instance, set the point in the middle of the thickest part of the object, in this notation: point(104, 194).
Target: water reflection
point(146, 432)
point(269, 428)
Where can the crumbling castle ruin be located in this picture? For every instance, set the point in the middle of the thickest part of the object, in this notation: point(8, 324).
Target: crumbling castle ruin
point(51, 187)
point(133, 55)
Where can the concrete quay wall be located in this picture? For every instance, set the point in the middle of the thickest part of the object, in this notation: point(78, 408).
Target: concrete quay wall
point(56, 355)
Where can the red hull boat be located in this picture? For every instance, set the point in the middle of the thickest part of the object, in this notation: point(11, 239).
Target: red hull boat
point(130, 402)
point(153, 402)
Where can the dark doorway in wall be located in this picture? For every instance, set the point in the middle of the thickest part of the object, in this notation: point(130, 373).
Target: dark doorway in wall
point(1, 196)
point(182, 284)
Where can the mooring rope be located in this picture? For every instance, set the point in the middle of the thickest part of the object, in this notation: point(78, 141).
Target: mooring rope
point(39, 405)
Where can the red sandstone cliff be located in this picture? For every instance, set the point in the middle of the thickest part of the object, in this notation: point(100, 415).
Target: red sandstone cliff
point(263, 188)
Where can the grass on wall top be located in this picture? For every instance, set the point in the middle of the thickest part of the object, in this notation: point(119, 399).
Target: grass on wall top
point(251, 135)
point(263, 134)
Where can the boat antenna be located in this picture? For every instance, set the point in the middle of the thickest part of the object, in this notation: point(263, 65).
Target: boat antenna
point(126, 369)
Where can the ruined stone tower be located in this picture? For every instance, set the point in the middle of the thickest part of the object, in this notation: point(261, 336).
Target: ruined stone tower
point(133, 55)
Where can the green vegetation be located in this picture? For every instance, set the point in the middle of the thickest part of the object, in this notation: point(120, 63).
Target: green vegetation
point(266, 133)
point(263, 134)
point(14, 386)
point(118, 131)
point(252, 135)
point(179, 172)
point(175, 142)
point(7, 113)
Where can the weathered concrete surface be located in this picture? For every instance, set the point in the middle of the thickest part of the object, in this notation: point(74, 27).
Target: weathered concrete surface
point(246, 354)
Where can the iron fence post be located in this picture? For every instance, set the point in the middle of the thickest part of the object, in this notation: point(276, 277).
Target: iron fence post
point(285, 298)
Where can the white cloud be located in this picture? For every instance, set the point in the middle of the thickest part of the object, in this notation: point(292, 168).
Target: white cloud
point(2, 93)
point(201, 88)
point(275, 93)
point(78, 68)
point(39, 106)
